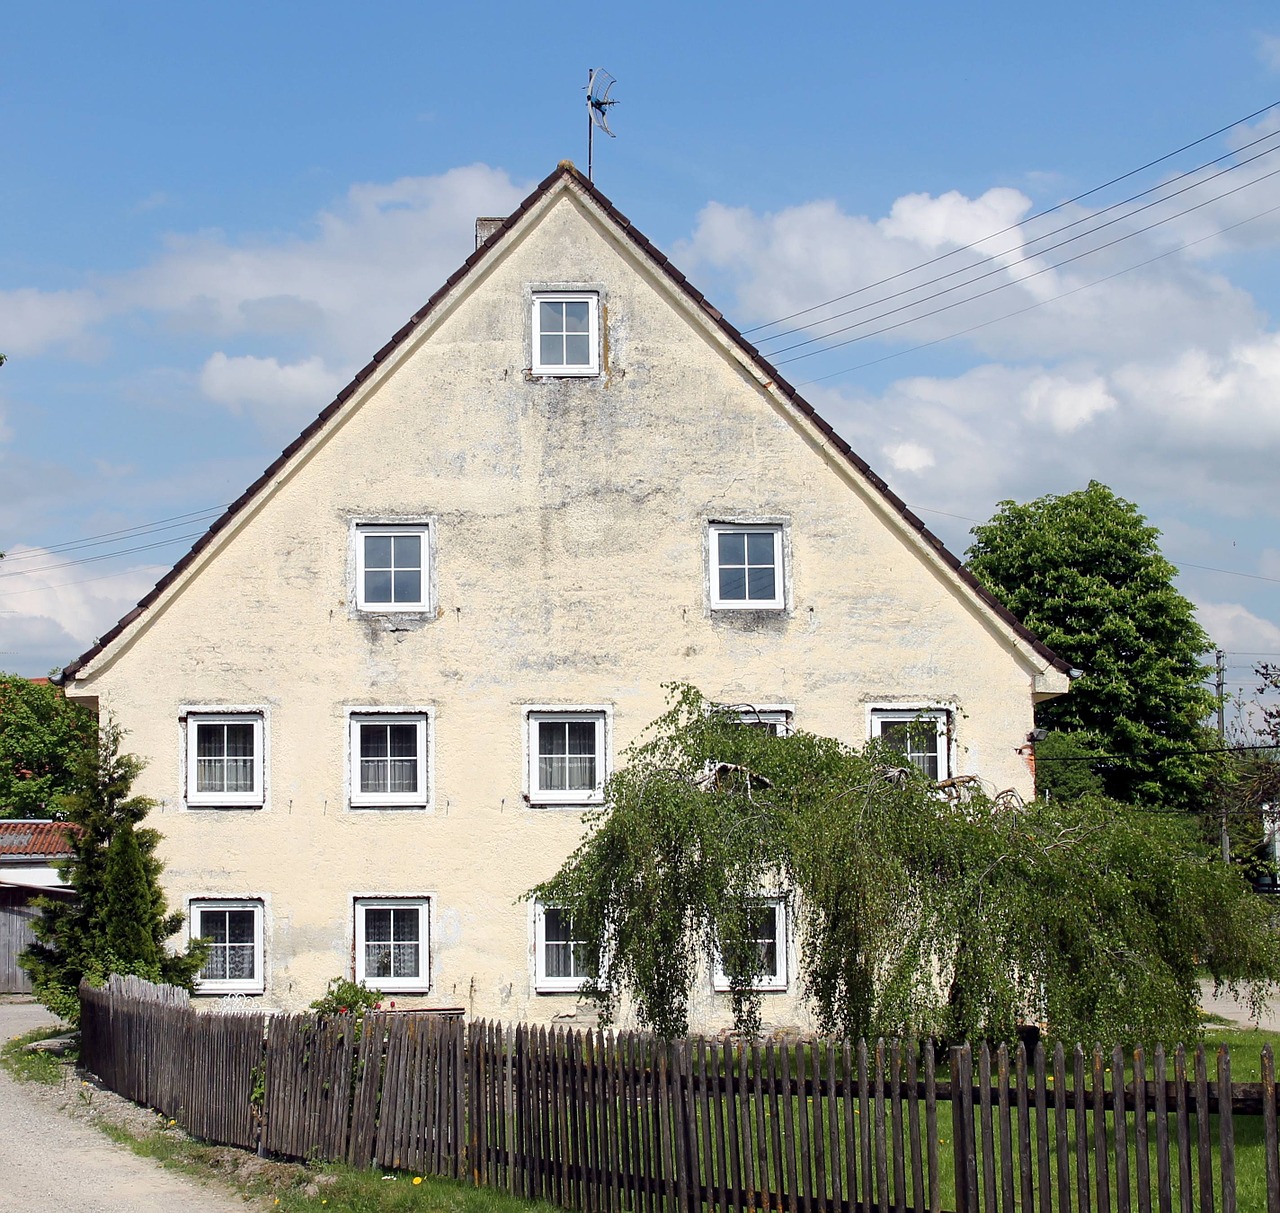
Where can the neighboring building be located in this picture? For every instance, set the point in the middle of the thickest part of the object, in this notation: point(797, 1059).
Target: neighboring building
point(28, 851)
point(376, 698)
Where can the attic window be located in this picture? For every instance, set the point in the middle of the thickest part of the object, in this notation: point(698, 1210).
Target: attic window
point(566, 333)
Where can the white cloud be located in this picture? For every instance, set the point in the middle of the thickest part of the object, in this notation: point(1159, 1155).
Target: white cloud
point(1269, 51)
point(50, 614)
point(338, 292)
point(34, 322)
point(1233, 627)
point(246, 382)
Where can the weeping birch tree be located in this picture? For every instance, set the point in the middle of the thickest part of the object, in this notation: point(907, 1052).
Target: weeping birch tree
point(913, 914)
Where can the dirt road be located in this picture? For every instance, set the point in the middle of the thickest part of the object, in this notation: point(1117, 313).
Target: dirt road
point(50, 1161)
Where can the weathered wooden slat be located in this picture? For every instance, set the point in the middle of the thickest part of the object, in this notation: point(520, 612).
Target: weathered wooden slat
point(1226, 1132)
point(1204, 1137)
point(1183, 1128)
point(1102, 1171)
point(896, 1135)
point(1141, 1132)
point(789, 1171)
point(865, 1128)
point(1026, 1179)
point(1006, 1128)
point(882, 1161)
point(1082, 1129)
point(1270, 1138)
point(931, 1127)
point(849, 1091)
point(985, 1120)
point(1119, 1120)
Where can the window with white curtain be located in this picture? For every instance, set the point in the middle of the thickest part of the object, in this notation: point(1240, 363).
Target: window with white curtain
point(388, 760)
point(224, 759)
point(558, 951)
point(232, 931)
point(566, 757)
point(393, 942)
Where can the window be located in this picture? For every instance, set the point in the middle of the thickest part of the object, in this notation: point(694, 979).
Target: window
point(389, 760)
point(922, 735)
point(774, 721)
point(224, 759)
point(392, 568)
point(769, 936)
point(746, 567)
point(566, 757)
point(392, 937)
point(558, 962)
point(566, 337)
point(233, 931)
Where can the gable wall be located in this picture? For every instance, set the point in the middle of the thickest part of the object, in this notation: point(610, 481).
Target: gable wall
point(571, 520)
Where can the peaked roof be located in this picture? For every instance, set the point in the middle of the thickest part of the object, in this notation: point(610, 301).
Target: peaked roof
point(566, 171)
point(35, 839)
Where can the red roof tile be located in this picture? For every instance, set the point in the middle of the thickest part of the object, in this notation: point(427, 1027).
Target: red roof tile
point(39, 839)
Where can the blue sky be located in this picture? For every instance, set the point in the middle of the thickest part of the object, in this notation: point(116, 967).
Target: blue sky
point(214, 213)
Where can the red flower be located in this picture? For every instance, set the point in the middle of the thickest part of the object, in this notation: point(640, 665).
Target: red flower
point(342, 1010)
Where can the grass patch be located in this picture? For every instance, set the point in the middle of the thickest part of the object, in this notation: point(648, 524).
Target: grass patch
point(326, 1188)
point(36, 1066)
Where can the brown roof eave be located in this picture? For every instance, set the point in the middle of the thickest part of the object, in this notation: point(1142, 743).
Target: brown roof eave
point(567, 169)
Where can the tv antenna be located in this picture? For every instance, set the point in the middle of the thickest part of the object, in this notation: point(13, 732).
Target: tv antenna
point(599, 82)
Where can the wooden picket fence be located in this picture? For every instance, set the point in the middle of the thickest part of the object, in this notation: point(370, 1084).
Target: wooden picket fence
point(607, 1122)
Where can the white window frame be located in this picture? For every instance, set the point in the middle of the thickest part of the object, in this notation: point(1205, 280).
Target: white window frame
point(592, 299)
point(777, 981)
point(363, 529)
point(777, 717)
point(419, 716)
point(568, 798)
point(542, 983)
point(221, 985)
point(421, 984)
point(191, 719)
point(904, 713)
point(776, 531)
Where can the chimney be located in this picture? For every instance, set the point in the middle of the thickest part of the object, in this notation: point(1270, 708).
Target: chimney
point(486, 226)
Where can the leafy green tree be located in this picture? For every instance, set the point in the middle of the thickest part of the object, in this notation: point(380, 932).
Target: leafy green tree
point(1084, 572)
point(914, 914)
point(1065, 767)
point(43, 738)
point(118, 920)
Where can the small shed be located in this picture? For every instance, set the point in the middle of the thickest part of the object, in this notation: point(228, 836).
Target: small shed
point(28, 851)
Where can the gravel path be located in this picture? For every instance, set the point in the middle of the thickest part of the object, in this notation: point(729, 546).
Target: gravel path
point(56, 1162)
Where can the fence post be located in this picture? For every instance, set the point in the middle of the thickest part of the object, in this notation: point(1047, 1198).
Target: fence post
point(963, 1143)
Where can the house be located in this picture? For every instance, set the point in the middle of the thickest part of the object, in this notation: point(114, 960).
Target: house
point(376, 698)
point(29, 850)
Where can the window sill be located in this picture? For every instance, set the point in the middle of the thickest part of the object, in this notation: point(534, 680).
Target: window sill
point(218, 806)
point(543, 988)
point(217, 989)
point(375, 807)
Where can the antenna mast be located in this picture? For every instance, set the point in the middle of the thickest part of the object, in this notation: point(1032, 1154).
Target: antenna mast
point(599, 82)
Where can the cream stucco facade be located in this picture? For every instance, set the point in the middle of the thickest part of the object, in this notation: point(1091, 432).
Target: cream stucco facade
point(569, 569)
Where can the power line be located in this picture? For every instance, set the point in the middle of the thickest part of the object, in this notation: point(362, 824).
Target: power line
point(1031, 307)
point(66, 564)
point(999, 287)
point(1089, 219)
point(146, 528)
point(1156, 755)
point(1029, 219)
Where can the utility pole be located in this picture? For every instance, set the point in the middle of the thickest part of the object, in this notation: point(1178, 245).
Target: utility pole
point(1220, 659)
